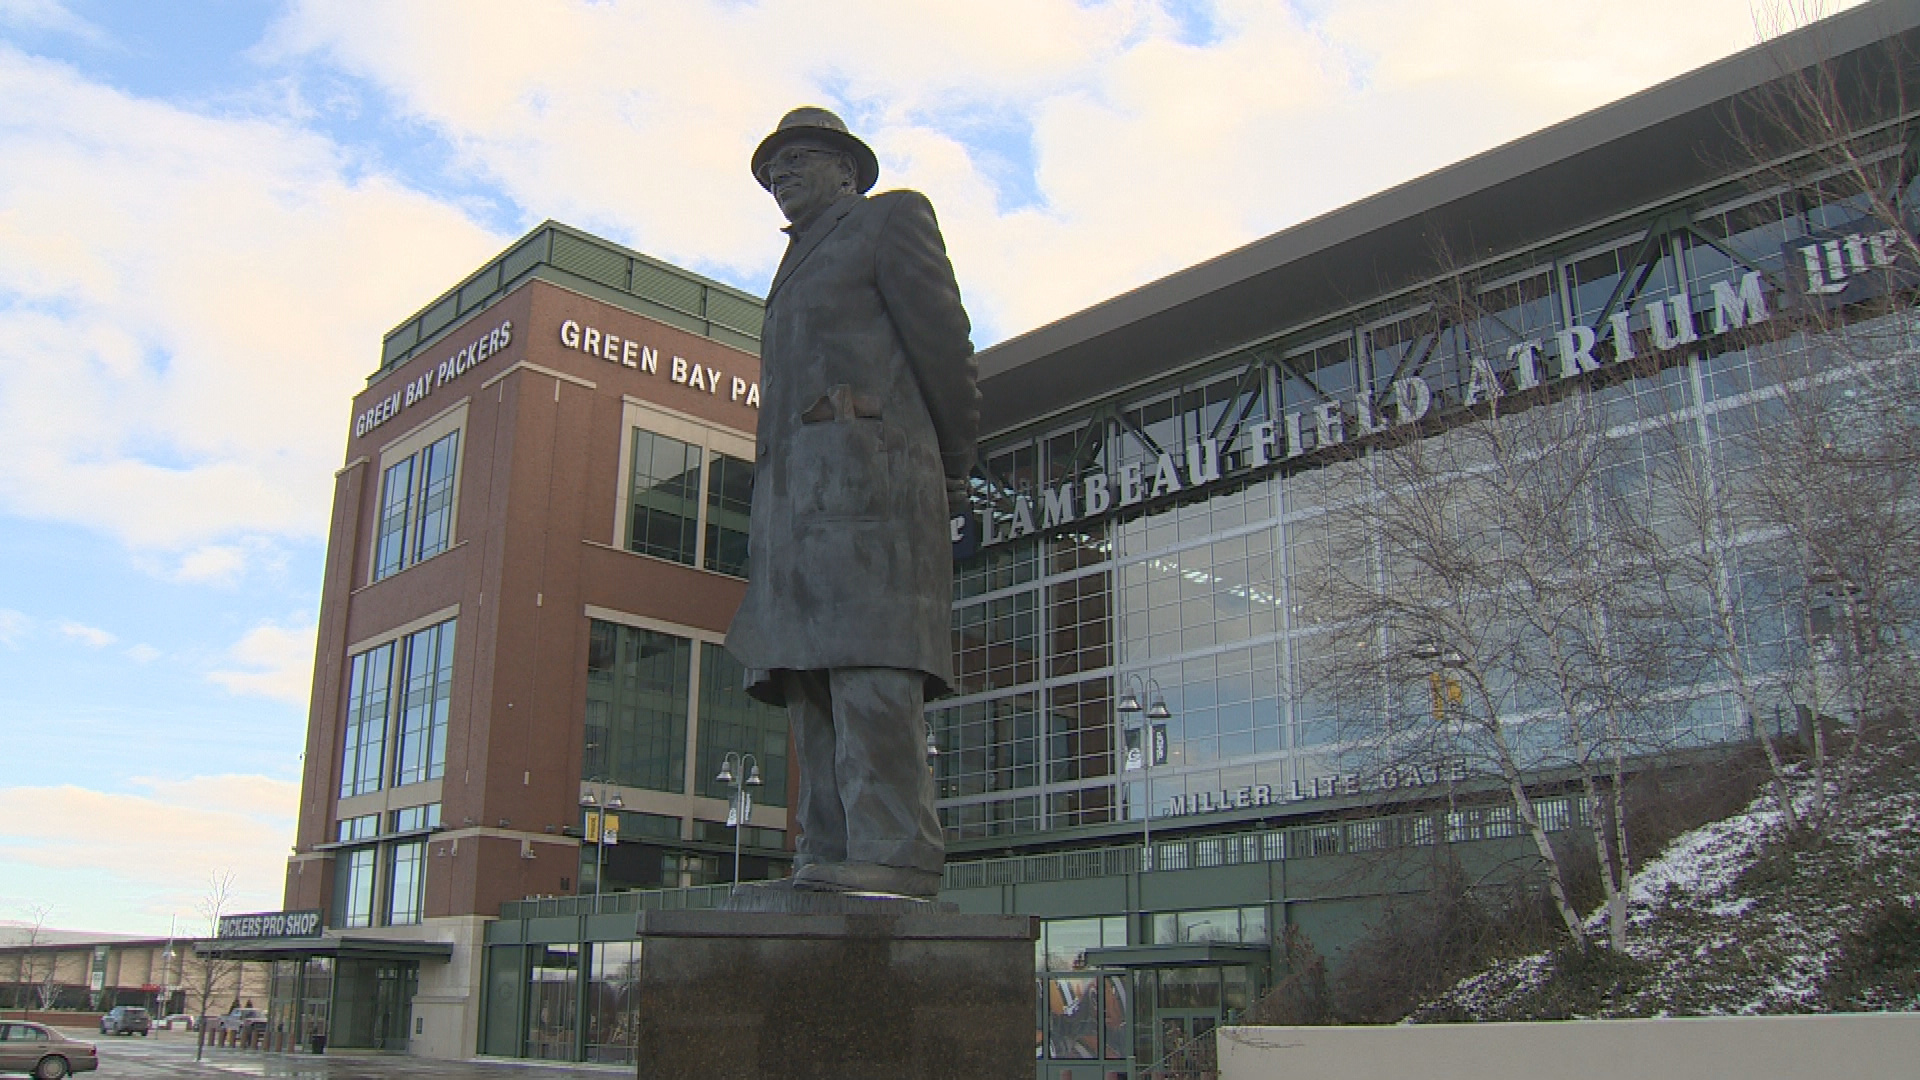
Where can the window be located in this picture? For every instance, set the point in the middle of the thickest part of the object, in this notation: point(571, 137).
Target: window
point(665, 504)
point(360, 828)
point(730, 721)
point(418, 493)
point(996, 643)
point(1063, 943)
point(613, 1003)
point(552, 1011)
point(427, 688)
point(407, 871)
point(369, 681)
point(729, 502)
point(686, 492)
point(751, 836)
point(436, 496)
point(636, 715)
point(424, 689)
point(987, 746)
point(1247, 925)
point(416, 818)
point(355, 875)
point(396, 495)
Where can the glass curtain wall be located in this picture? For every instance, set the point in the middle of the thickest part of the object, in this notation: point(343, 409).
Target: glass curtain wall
point(539, 1005)
point(733, 722)
point(636, 711)
point(1209, 514)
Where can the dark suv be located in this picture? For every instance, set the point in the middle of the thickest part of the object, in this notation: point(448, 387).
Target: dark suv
point(125, 1020)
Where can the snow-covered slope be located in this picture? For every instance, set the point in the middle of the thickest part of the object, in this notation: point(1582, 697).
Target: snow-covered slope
point(1733, 918)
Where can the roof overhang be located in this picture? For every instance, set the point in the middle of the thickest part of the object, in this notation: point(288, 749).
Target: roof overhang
point(1685, 135)
point(1179, 954)
point(344, 948)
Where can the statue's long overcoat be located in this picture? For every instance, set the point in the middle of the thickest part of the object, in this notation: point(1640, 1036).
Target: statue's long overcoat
point(868, 402)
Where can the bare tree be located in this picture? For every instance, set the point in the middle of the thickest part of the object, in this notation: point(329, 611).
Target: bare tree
point(29, 982)
point(1831, 492)
point(1709, 603)
point(1490, 617)
point(1494, 599)
point(214, 971)
point(1794, 514)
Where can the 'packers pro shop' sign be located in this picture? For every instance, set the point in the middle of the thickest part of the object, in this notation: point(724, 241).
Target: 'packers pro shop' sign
point(271, 924)
point(1837, 269)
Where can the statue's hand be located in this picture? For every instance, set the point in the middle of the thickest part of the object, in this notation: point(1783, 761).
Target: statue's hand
point(958, 500)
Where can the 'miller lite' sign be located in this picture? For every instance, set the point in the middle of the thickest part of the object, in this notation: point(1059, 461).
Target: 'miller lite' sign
point(1838, 270)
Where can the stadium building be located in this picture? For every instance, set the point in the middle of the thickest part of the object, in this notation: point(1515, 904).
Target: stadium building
point(523, 626)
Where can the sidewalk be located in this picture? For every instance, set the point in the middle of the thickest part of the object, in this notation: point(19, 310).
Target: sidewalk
point(168, 1055)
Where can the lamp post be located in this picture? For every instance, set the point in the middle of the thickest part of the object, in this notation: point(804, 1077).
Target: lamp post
point(166, 970)
point(600, 802)
point(1155, 709)
point(743, 772)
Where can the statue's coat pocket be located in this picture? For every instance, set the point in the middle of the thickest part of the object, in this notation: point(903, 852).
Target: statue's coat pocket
point(838, 469)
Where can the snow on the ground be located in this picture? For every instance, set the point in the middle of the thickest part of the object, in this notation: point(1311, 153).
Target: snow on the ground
point(1730, 919)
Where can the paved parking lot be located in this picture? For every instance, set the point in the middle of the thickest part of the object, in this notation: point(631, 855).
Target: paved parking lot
point(166, 1055)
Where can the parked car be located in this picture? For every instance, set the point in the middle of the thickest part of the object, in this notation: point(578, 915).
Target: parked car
point(126, 1020)
point(44, 1052)
point(242, 1026)
point(185, 1020)
point(240, 1019)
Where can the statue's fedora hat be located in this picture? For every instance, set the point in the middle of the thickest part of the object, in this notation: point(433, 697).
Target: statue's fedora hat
point(820, 125)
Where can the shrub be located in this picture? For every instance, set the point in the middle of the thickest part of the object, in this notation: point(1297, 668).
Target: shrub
point(1878, 965)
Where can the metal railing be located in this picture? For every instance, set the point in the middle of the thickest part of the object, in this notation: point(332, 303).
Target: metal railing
point(1262, 846)
point(632, 902)
point(1267, 845)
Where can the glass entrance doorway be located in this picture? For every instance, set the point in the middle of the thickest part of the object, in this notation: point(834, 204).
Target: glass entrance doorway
point(297, 1007)
point(373, 1004)
point(1180, 998)
point(1185, 1041)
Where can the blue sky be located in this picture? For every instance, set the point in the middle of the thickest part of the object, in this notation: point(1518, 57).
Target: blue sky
point(210, 211)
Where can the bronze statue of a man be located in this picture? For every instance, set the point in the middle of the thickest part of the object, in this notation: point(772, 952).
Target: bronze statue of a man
point(868, 418)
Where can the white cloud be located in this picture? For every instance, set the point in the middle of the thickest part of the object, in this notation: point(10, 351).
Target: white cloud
point(187, 305)
point(175, 833)
point(188, 302)
point(1147, 154)
point(14, 625)
point(143, 653)
point(212, 564)
point(91, 636)
point(277, 662)
point(47, 15)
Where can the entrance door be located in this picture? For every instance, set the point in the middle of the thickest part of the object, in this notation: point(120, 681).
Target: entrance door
point(1185, 1039)
point(373, 1004)
point(393, 1005)
point(1186, 1014)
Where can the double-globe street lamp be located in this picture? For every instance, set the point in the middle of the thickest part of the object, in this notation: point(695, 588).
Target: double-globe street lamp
point(1146, 748)
point(743, 772)
point(603, 808)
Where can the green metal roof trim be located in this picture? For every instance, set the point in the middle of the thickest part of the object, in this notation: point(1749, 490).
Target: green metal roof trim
point(584, 263)
point(1179, 954)
point(303, 948)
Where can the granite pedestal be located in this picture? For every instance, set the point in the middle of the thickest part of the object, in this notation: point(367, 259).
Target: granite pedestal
point(835, 988)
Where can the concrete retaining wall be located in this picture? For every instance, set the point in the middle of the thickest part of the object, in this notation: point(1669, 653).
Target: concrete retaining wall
point(1859, 1046)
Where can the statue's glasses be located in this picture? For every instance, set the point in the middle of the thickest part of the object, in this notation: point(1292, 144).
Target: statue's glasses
point(793, 157)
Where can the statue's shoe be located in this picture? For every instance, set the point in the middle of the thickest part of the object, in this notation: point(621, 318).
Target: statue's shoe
point(867, 878)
